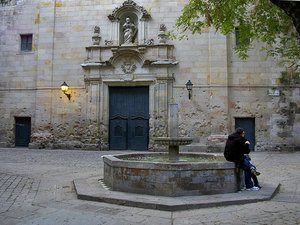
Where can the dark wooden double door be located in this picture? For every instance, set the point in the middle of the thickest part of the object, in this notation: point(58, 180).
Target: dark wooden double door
point(128, 118)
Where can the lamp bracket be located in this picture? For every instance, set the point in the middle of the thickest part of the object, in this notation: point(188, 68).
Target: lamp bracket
point(68, 95)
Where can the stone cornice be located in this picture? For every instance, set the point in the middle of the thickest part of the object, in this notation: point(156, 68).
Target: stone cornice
point(138, 51)
point(95, 65)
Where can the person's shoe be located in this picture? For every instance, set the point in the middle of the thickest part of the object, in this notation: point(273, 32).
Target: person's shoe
point(257, 185)
point(254, 188)
point(243, 189)
point(254, 171)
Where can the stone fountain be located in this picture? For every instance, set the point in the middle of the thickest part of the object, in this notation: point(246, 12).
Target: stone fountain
point(173, 177)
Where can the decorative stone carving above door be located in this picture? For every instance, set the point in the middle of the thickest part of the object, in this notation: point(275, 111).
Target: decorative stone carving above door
point(128, 67)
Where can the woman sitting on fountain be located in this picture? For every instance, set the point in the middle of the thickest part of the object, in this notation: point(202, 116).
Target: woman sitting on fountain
point(237, 150)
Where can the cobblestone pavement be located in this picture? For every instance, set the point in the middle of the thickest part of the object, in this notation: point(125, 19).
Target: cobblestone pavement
point(36, 188)
point(16, 190)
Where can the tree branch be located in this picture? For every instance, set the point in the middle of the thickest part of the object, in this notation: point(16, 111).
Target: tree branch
point(292, 9)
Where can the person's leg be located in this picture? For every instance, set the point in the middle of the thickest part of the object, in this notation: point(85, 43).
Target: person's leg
point(255, 180)
point(248, 163)
point(251, 166)
point(247, 172)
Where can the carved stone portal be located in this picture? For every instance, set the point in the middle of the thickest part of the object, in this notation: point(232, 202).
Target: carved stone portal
point(138, 59)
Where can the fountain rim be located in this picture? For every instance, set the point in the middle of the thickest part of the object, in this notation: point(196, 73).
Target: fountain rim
point(114, 161)
point(173, 138)
point(173, 141)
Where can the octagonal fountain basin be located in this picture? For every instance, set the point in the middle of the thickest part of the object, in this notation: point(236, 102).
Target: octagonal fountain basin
point(152, 174)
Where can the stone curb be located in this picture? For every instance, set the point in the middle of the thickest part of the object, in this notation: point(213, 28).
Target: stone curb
point(91, 189)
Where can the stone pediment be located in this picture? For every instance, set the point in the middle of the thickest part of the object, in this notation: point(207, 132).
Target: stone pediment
point(129, 5)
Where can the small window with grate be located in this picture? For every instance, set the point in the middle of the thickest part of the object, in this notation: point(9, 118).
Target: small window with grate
point(26, 42)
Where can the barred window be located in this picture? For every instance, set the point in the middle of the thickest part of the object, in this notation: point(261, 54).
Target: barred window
point(26, 42)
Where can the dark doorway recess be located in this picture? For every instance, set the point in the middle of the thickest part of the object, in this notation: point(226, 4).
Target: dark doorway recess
point(23, 131)
point(248, 124)
point(128, 118)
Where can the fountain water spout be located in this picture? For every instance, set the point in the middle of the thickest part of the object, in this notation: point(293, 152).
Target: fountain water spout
point(173, 120)
point(173, 141)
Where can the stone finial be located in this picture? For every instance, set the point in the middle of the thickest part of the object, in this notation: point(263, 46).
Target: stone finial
point(162, 36)
point(96, 30)
point(162, 27)
point(96, 37)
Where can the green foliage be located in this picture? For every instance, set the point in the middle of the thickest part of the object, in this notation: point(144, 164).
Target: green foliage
point(3, 2)
point(290, 78)
point(255, 19)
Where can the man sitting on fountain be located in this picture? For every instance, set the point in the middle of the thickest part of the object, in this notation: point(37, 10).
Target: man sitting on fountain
point(237, 150)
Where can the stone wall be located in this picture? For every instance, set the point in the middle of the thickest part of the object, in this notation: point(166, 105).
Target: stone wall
point(225, 87)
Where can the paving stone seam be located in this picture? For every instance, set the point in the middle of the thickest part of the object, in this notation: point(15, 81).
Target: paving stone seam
point(18, 190)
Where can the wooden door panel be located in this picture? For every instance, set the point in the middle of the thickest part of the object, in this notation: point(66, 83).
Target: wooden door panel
point(118, 134)
point(138, 134)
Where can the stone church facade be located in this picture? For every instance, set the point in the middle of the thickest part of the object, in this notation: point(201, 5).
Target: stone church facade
point(123, 73)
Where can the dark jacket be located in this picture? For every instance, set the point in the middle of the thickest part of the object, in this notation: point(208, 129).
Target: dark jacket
point(236, 148)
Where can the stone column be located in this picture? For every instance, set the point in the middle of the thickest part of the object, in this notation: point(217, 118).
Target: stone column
point(161, 108)
point(104, 115)
point(173, 120)
point(115, 33)
point(141, 32)
point(93, 101)
point(173, 131)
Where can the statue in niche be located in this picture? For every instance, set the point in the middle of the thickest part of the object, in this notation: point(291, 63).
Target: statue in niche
point(130, 31)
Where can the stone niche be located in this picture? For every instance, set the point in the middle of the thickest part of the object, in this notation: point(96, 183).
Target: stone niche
point(129, 57)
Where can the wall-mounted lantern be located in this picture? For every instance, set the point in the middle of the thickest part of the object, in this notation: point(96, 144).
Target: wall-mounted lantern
point(189, 87)
point(64, 88)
